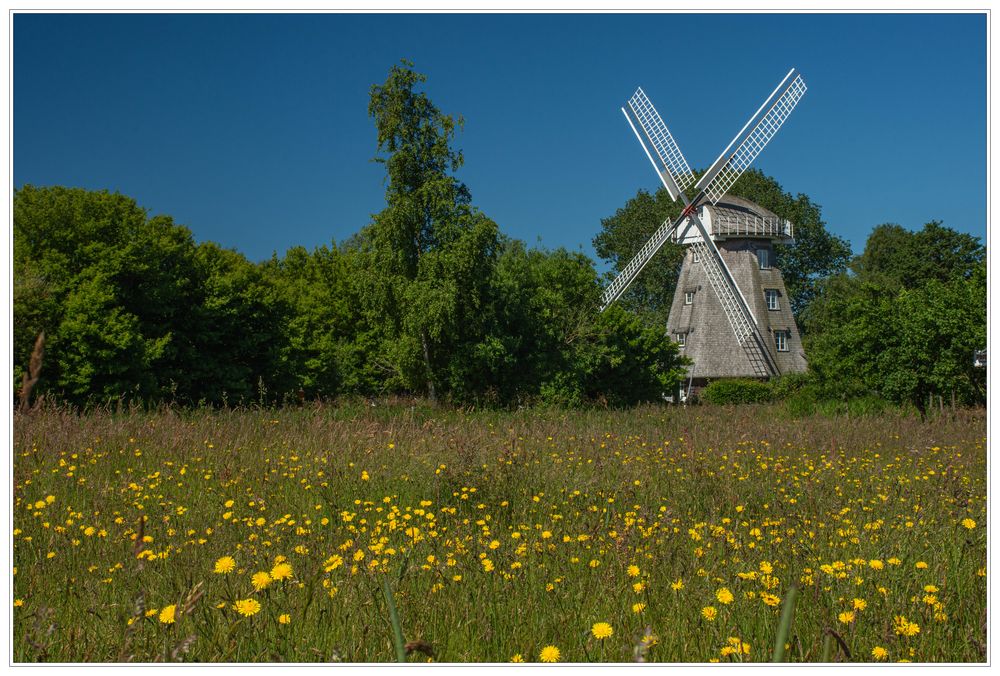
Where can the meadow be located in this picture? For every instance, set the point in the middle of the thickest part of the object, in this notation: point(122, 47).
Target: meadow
point(360, 533)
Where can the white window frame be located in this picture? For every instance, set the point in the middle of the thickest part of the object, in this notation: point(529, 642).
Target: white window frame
point(688, 297)
point(771, 297)
point(764, 258)
point(781, 340)
point(695, 258)
point(681, 339)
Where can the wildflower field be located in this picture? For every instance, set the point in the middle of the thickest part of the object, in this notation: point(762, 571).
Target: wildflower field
point(355, 533)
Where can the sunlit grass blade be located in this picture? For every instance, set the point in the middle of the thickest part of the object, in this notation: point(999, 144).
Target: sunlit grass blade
point(397, 630)
point(785, 625)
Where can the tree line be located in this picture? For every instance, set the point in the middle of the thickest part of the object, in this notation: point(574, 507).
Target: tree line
point(430, 298)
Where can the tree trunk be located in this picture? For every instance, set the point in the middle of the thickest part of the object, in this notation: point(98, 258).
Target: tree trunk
point(431, 392)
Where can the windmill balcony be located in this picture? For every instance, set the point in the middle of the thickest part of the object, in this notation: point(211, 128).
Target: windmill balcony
point(752, 226)
point(735, 218)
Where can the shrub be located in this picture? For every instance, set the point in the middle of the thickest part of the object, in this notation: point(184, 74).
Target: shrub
point(737, 391)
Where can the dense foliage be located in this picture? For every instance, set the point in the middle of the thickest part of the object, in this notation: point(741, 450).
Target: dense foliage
point(429, 298)
point(905, 325)
point(737, 391)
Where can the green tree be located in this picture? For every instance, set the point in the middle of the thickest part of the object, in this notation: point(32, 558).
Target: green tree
point(132, 307)
point(909, 260)
point(549, 342)
point(936, 328)
point(331, 347)
point(107, 285)
point(905, 345)
point(238, 334)
point(432, 252)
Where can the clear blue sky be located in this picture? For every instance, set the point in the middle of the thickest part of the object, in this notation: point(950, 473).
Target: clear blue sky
point(252, 130)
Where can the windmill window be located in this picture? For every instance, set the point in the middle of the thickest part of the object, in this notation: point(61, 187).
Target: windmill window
point(688, 297)
point(764, 258)
point(695, 257)
point(681, 339)
point(771, 295)
point(781, 341)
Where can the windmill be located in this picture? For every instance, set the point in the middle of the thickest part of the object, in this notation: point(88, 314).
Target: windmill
point(745, 233)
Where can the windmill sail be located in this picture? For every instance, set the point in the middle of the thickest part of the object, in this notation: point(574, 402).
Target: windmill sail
point(638, 262)
point(762, 127)
point(673, 168)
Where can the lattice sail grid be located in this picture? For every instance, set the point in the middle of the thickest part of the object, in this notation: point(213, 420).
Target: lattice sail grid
point(663, 142)
point(755, 141)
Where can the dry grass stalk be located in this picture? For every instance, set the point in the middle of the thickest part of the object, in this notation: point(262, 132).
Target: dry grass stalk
point(192, 598)
point(30, 378)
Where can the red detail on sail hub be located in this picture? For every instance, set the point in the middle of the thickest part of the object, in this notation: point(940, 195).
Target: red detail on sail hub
point(688, 210)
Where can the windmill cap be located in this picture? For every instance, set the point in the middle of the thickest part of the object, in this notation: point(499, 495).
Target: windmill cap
point(731, 206)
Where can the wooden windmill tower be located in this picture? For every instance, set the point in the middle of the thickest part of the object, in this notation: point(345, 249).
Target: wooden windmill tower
point(730, 312)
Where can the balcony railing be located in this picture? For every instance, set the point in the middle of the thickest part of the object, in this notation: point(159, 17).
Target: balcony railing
point(752, 226)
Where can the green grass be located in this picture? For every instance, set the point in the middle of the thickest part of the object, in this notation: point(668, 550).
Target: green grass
point(560, 504)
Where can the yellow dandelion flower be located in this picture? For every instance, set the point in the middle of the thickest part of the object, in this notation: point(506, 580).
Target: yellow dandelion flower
point(247, 607)
point(18, 603)
point(225, 565)
point(602, 630)
point(709, 613)
point(633, 571)
point(879, 653)
point(846, 617)
point(285, 618)
point(260, 580)
point(549, 653)
point(678, 585)
point(876, 564)
point(724, 595)
point(517, 658)
point(921, 565)
point(281, 571)
point(968, 524)
point(770, 599)
point(638, 607)
point(168, 615)
point(904, 627)
point(859, 604)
